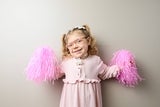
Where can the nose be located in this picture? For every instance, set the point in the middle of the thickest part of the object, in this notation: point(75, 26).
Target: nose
point(75, 45)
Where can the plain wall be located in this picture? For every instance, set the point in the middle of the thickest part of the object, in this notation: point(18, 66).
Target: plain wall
point(116, 24)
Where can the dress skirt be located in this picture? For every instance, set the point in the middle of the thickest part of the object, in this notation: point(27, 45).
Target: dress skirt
point(81, 94)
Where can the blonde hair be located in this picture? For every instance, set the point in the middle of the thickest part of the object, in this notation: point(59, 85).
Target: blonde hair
point(92, 49)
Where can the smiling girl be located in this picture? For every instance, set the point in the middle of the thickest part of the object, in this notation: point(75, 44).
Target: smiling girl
point(83, 70)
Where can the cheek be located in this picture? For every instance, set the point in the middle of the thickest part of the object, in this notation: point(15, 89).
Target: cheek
point(85, 48)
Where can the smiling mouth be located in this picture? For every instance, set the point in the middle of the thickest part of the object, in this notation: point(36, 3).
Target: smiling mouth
point(76, 51)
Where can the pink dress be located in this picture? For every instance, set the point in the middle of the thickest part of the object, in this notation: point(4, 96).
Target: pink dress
point(82, 81)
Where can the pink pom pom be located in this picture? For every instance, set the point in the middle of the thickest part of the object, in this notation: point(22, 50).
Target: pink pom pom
point(43, 65)
point(128, 75)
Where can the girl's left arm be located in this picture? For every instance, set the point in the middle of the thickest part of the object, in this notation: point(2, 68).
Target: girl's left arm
point(106, 72)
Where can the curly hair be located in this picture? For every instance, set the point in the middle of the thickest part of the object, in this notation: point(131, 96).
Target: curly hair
point(85, 30)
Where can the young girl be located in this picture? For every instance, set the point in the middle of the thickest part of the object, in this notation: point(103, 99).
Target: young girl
point(83, 70)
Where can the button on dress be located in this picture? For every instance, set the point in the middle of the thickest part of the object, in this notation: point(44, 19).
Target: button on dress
point(82, 86)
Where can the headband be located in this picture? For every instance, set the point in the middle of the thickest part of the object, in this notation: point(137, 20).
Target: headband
point(80, 27)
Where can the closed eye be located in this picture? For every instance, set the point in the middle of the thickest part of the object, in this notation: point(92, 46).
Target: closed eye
point(69, 45)
point(79, 41)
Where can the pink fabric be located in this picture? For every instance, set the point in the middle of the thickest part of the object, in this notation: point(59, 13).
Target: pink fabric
point(43, 65)
point(82, 81)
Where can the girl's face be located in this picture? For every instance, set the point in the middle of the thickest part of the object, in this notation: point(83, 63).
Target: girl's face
point(77, 45)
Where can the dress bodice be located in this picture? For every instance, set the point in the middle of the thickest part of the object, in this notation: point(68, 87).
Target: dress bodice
point(83, 70)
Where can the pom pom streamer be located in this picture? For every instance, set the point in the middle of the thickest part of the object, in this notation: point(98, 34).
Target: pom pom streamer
point(43, 65)
point(128, 74)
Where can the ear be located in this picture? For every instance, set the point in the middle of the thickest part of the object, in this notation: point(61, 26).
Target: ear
point(89, 40)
